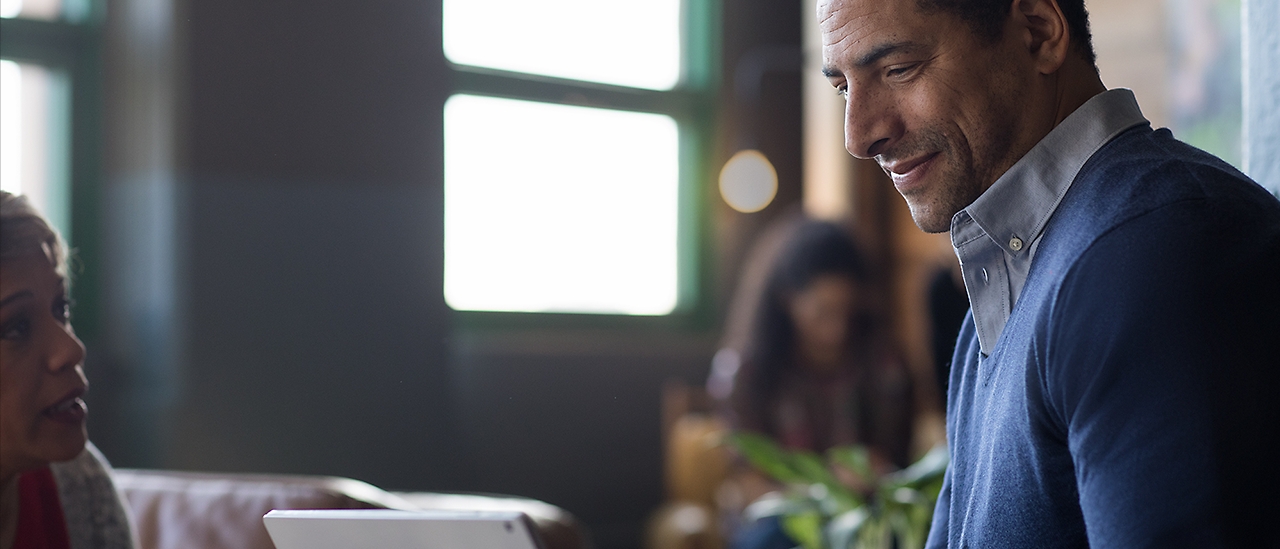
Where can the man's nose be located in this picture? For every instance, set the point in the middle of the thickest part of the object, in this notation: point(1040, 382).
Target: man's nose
point(870, 125)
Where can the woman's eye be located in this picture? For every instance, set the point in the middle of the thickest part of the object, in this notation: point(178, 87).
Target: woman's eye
point(16, 329)
point(62, 311)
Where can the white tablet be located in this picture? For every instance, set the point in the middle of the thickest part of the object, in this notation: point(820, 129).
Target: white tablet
point(388, 529)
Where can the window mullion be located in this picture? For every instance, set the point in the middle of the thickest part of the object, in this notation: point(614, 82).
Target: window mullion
point(677, 103)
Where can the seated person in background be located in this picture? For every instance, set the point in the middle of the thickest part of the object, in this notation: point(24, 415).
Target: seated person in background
point(948, 305)
point(816, 369)
point(55, 488)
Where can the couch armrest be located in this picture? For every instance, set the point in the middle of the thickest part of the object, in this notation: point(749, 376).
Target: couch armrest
point(178, 510)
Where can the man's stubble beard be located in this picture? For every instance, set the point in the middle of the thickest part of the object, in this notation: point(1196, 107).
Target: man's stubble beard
point(956, 187)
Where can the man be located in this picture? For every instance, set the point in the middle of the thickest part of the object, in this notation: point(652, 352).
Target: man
point(1115, 384)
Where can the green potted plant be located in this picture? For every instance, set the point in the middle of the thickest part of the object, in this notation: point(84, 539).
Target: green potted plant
point(837, 502)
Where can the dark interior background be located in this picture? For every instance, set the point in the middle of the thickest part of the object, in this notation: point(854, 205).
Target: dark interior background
point(271, 263)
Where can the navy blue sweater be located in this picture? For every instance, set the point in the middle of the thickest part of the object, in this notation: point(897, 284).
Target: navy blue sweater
point(1132, 398)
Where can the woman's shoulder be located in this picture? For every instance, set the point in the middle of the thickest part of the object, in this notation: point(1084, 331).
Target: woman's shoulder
point(94, 511)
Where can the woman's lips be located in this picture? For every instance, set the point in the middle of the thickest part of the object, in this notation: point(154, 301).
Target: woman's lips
point(907, 174)
point(70, 410)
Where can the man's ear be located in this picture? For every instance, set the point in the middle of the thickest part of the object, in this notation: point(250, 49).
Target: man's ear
point(1045, 31)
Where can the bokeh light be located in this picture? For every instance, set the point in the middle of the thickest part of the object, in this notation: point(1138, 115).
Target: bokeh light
point(748, 181)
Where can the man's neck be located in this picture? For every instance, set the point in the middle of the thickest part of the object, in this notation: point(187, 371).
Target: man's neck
point(1076, 82)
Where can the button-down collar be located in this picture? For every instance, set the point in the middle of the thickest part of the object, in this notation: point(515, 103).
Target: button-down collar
point(996, 237)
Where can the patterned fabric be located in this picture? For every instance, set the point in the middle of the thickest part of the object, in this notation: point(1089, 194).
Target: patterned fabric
point(95, 513)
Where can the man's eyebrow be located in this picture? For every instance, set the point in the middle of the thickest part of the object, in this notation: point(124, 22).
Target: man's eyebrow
point(879, 52)
point(15, 297)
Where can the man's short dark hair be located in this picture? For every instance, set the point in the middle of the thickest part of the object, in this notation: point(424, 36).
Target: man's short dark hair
point(986, 18)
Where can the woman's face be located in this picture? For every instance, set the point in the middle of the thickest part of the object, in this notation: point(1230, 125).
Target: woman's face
point(823, 315)
point(41, 378)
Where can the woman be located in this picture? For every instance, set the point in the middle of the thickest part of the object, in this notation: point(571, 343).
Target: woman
point(55, 488)
point(813, 368)
point(818, 369)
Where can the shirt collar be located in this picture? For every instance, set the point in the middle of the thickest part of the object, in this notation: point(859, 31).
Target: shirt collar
point(1015, 209)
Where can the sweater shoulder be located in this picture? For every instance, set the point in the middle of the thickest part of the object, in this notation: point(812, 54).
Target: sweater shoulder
point(1149, 175)
point(1144, 170)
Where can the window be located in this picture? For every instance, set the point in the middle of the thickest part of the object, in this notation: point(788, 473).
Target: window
point(44, 48)
point(34, 137)
point(49, 117)
point(1182, 59)
point(572, 155)
point(619, 43)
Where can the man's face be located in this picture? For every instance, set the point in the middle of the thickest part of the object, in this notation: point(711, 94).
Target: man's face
point(940, 109)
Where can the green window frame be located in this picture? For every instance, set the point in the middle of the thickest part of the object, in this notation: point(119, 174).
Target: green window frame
point(72, 46)
point(691, 103)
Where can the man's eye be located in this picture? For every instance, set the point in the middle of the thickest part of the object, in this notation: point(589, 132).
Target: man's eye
point(900, 70)
point(16, 329)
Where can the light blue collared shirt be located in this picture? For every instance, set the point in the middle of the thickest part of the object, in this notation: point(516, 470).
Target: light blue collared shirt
point(996, 236)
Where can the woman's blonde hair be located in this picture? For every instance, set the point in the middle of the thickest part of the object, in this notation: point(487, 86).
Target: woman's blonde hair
point(24, 232)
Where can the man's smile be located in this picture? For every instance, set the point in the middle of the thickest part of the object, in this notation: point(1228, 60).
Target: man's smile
point(907, 174)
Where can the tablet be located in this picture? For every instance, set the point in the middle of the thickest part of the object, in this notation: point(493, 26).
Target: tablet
point(391, 529)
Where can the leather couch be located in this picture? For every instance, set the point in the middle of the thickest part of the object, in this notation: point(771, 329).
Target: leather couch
point(178, 510)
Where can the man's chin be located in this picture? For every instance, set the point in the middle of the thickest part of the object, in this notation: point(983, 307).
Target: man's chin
point(930, 220)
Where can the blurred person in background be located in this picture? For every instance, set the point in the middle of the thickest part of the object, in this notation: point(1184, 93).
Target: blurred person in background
point(55, 488)
point(815, 369)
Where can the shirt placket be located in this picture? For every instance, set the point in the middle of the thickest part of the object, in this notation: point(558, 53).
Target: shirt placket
point(987, 281)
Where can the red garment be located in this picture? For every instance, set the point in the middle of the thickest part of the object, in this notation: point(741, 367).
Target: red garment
point(40, 521)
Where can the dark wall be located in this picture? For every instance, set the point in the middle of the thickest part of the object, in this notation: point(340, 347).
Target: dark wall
point(273, 213)
point(761, 110)
point(573, 418)
point(316, 339)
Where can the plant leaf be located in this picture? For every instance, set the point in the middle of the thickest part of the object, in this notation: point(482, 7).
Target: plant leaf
point(843, 529)
point(855, 458)
point(805, 528)
point(923, 472)
point(775, 504)
point(766, 455)
point(836, 498)
point(811, 467)
point(905, 528)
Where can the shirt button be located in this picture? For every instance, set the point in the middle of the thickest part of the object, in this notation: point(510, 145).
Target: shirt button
point(1015, 243)
point(984, 275)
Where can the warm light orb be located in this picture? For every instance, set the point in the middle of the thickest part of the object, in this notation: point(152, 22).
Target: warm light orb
point(748, 181)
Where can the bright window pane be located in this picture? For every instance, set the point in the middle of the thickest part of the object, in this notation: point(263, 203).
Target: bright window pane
point(1182, 59)
point(47, 10)
point(558, 208)
point(33, 137)
point(633, 44)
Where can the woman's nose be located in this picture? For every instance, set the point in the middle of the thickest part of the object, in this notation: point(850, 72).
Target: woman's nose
point(68, 351)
